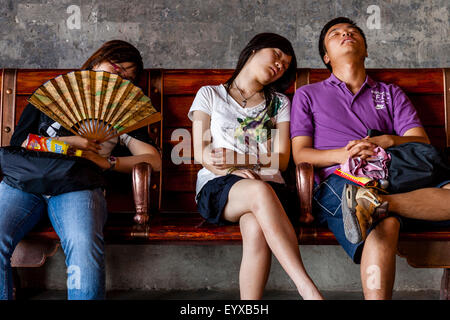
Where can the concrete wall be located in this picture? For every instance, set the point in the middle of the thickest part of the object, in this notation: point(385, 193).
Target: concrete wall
point(165, 267)
point(210, 34)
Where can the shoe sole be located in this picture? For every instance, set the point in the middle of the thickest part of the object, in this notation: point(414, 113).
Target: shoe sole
point(352, 229)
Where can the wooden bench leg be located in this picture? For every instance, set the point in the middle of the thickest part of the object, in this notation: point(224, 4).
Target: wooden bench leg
point(445, 285)
point(141, 186)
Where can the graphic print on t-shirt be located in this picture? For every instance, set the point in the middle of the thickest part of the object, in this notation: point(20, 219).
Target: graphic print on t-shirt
point(257, 129)
point(380, 98)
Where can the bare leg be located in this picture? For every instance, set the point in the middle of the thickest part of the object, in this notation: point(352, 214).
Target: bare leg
point(424, 204)
point(378, 260)
point(256, 259)
point(257, 197)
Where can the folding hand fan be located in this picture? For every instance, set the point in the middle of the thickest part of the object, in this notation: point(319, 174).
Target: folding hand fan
point(95, 104)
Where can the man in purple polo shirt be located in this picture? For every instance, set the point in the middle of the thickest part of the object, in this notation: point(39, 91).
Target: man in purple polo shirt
point(329, 124)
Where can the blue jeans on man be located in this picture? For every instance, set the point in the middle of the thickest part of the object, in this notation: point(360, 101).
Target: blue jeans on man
point(327, 207)
point(78, 219)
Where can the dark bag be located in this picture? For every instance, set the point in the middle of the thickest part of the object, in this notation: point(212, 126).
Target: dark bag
point(416, 165)
point(48, 173)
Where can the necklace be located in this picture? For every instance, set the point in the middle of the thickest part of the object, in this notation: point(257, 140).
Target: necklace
point(244, 102)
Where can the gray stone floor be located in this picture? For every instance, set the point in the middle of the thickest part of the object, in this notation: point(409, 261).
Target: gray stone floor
point(224, 295)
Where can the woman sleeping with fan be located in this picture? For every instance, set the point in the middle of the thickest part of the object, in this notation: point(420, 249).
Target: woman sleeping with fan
point(92, 110)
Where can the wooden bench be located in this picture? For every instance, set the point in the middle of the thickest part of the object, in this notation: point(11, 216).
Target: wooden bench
point(174, 217)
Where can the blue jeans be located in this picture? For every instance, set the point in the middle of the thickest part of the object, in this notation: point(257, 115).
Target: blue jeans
point(77, 217)
point(327, 206)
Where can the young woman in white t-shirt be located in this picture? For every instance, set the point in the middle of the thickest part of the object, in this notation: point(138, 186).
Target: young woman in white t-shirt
point(241, 137)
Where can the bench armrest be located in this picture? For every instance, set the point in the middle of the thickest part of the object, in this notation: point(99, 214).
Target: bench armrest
point(141, 190)
point(305, 182)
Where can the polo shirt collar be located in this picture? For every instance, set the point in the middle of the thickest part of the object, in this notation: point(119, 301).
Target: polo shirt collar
point(333, 80)
point(370, 82)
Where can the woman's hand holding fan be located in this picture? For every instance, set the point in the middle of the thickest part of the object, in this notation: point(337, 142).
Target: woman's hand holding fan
point(81, 143)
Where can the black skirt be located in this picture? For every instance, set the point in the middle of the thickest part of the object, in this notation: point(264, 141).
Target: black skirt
point(213, 197)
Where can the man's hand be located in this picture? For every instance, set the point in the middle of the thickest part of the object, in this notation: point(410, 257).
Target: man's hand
point(385, 141)
point(246, 173)
point(97, 159)
point(357, 148)
point(81, 143)
point(363, 148)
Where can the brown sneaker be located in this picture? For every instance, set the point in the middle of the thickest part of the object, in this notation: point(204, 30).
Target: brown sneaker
point(361, 208)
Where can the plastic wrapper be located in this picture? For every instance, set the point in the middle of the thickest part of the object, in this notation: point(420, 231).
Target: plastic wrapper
point(45, 144)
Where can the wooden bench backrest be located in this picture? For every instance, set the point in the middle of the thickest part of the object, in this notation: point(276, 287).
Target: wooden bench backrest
point(173, 91)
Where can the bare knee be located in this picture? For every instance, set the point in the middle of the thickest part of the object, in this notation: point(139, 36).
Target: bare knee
point(259, 194)
point(384, 238)
point(388, 228)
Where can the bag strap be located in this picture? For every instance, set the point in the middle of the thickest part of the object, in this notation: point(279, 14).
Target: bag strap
point(7, 106)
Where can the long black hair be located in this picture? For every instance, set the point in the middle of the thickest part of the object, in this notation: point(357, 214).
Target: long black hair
point(268, 40)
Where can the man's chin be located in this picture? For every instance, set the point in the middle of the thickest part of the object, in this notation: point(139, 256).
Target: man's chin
point(352, 51)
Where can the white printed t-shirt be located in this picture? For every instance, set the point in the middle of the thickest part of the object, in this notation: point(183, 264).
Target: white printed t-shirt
point(244, 130)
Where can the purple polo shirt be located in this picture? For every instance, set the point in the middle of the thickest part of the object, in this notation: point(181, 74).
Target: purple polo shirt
point(332, 115)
